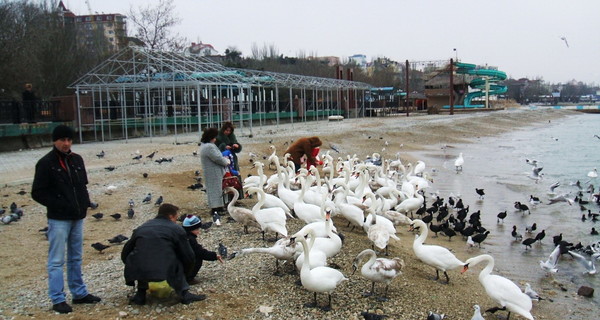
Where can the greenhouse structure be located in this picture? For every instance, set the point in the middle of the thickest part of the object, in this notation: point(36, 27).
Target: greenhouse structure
point(139, 92)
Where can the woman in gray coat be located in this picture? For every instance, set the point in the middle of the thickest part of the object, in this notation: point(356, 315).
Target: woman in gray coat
point(213, 166)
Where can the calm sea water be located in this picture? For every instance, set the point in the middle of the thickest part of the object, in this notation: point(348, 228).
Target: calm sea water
point(567, 150)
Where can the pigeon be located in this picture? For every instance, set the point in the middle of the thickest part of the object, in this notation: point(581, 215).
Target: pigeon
point(131, 203)
point(148, 198)
point(130, 213)
point(435, 316)
point(23, 192)
point(118, 239)
point(6, 219)
point(98, 215)
point(110, 168)
point(372, 316)
point(100, 155)
point(2, 211)
point(13, 207)
point(138, 157)
point(334, 148)
point(159, 201)
point(222, 250)
point(150, 156)
point(99, 246)
point(145, 175)
point(196, 186)
point(44, 229)
point(480, 192)
point(531, 293)
point(116, 216)
point(216, 219)
point(550, 264)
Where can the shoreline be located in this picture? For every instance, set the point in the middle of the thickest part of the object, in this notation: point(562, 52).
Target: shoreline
point(240, 287)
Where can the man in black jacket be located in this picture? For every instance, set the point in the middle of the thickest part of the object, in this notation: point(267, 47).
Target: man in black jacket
point(159, 250)
point(60, 184)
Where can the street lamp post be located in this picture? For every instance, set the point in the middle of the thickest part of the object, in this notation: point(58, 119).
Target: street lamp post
point(455, 54)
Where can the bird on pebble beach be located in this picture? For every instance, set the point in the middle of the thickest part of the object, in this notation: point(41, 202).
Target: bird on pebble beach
point(98, 215)
point(118, 239)
point(477, 313)
point(435, 316)
point(116, 216)
point(130, 213)
point(100, 247)
point(159, 201)
point(148, 198)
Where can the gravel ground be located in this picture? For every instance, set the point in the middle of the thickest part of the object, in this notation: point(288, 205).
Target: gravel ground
point(244, 287)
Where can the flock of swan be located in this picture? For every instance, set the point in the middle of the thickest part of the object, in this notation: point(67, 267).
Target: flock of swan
point(372, 199)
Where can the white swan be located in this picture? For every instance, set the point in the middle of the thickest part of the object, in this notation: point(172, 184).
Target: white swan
point(458, 163)
point(317, 258)
point(436, 256)
point(239, 214)
point(378, 269)
point(593, 174)
point(379, 232)
point(270, 219)
point(500, 289)
point(283, 249)
point(257, 180)
point(353, 214)
point(419, 168)
point(319, 279)
point(331, 244)
point(410, 205)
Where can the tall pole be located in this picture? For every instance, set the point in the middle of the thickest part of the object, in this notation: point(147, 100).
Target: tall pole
point(451, 86)
point(407, 88)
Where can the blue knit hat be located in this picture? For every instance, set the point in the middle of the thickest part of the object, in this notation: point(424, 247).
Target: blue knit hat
point(192, 222)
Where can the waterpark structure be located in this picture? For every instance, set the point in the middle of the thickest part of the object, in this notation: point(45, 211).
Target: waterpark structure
point(463, 85)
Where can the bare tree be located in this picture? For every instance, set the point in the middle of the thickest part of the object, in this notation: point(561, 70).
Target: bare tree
point(153, 26)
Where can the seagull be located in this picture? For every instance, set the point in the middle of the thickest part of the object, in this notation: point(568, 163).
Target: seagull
point(590, 265)
point(561, 198)
point(535, 174)
point(458, 163)
point(550, 264)
point(552, 187)
point(477, 313)
point(531, 293)
point(563, 38)
point(532, 162)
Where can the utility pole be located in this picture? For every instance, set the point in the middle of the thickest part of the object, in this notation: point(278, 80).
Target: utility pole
point(407, 87)
point(451, 86)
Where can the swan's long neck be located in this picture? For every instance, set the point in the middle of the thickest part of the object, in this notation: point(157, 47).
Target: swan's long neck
point(261, 200)
point(424, 232)
point(236, 195)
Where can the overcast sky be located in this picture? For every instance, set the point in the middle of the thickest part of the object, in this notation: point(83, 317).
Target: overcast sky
point(520, 37)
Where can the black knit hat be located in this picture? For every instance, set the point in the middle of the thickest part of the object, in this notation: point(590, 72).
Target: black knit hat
point(63, 131)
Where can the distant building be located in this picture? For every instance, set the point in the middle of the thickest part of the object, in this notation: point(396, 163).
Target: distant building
point(329, 60)
point(112, 27)
point(359, 59)
point(200, 49)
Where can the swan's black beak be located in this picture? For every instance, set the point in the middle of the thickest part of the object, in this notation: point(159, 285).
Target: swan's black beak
point(292, 240)
point(465, 268)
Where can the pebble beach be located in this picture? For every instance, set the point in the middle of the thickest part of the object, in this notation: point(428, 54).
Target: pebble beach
point(245, 287)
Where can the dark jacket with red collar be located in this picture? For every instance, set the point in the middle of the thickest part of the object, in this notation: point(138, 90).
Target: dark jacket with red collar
point(60, 184)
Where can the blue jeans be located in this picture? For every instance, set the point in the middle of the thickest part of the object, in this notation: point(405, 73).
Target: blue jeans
point(65, 235)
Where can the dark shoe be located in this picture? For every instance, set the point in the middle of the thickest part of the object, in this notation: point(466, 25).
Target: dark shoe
point(193, 281)
point(188, 297)
point(139, 298)
point(62, 307)
point(90, 298)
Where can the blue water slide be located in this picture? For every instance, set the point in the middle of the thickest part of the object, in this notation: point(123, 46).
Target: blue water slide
point(493, 77)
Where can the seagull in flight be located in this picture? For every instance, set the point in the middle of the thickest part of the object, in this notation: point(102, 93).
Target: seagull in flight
point(589, 265)
point(563, 38)
point(550, 264)
point(535, 174)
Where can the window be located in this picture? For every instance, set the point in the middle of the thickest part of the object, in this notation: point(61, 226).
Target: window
point(109, 18)
point(88, 18)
